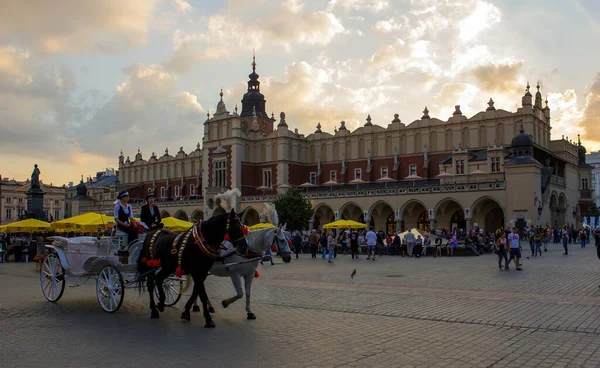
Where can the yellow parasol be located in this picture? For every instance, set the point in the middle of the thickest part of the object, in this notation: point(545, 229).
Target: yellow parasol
point(174, 224)
point(345, 224)
point(85, 222)
point(262, 225)
point(27, 226)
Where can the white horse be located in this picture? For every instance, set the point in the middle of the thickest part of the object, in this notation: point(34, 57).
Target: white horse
point(237, 267)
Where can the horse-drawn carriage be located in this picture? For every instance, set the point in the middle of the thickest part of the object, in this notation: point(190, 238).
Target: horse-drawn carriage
point(110, 260)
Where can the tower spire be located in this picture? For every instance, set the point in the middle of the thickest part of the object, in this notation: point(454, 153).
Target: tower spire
point(253, 60)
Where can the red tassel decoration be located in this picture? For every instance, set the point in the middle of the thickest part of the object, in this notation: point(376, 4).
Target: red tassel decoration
point(289, 242)
point(144, 260)
point(256, 274)
point(179, 272)
point(157, 263)
point(149, 263)
point(245, 230)
point(226, 237)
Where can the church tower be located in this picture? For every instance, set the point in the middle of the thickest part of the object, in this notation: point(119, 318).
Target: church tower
point(253, 99)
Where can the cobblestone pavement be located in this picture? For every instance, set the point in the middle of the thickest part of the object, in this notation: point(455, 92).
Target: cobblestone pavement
point(396, 312)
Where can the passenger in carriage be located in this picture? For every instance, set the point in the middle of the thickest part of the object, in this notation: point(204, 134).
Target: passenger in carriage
point(150, 215)
point(124, 216)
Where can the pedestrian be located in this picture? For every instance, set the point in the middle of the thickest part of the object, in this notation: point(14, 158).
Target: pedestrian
point(297, 243)
point(438, 247)
point(426, 244)
point(582, 237)
point(323, 242)
point(371, 244)
point(331, 243)
point(313, 240)
point(354, 244)
point(565, 239)
point(410, 241)
point(501, 245)
point(515, 248)
point(537, 242)
point(418, 250)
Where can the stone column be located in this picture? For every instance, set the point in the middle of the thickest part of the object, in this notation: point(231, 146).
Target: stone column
point(398, 224)
point(469, 224)
point(432, 225)
point(311, 223)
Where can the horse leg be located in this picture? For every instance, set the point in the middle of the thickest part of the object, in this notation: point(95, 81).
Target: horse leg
point(204, 298)
point(248, 284)
point(186, 311)
point(150, 283)
point(160, 278)
point(196, 308)
point(237, 284)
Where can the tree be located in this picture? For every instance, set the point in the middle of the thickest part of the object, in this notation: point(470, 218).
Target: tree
point(294, 209)
point(593, 210)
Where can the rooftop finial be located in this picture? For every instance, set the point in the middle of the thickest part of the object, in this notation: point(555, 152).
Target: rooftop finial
point(221, 94)
point(490, 105)
point(253, 60)
point(522, 130)
point(527, 88)
point(578, 139)
point(538, 86)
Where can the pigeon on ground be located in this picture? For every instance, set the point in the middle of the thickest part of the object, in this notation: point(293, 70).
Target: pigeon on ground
point(353, 273)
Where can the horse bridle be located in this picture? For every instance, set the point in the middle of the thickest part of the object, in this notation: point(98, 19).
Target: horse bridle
point(275, 241)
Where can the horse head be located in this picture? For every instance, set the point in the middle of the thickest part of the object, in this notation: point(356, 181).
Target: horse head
point(283, 243)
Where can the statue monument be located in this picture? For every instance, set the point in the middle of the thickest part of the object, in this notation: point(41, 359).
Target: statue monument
point(35, 197)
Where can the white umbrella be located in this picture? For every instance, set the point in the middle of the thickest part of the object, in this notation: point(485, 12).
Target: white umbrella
point(357, 182)
point(385, 179)
point(444, 175)
point(331, 183)
point(478, 172)
point(413, 177)
point(306, 185)
point(284, 186)
point(263, 188)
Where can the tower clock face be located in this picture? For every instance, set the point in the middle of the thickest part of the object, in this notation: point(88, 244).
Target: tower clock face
point(263, 127)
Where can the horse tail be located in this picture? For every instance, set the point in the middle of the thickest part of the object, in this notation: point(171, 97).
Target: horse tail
point(142, 267)
point(187, 283)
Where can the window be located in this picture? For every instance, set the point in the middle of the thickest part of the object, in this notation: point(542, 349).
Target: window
point(384, 171)
point(162, 192)
point(8, 213)
point(333, 175)
point(460, 167)
point(313, 178)
point(56, 201)
point(412, 170)
point(20, 200)
point(495, 163)
point(220, 173)
point(192, 189)
point(357, 174)
point(56, 214)
point(442, 169)
point(20, 212)
point(177, 193)
point(149, 190)
point(266, 175)
point(584, 184)
point(8, 200)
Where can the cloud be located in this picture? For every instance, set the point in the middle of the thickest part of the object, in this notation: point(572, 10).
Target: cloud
point(285, 25)
point(501, 77)
point(182, 6)
point(359, 5)
point(74, 25)
point(144, 108)
point(484, 17)
point(452, 94)
point(591, 114)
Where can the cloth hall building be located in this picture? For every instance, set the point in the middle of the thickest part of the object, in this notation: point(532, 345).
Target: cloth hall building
point(491, 170)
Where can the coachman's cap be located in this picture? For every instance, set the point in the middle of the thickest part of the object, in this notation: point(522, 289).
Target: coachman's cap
point(123, 194)
point(151, 194)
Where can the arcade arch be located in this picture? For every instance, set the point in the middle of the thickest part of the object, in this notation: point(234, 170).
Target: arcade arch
point(197, 215)
point(382, 217)
point(351, 211)
point(323, 215)
point(414, 215)
point(165, 214)
point(250, 217)
point(181, 215)
point(562, 206)
point(488, 214)
point(554, 208)
point(449, 213)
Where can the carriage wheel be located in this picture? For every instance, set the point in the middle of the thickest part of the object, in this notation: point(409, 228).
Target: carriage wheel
point(110, 289)
point(134, 252)
point(173, 288)
point(52, 278)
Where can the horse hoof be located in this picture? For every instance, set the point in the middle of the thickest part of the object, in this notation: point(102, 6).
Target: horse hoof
point(225, 304)
point(251, 316)
point(196, 308)
point(210, 310)
point(186, 316)
point(209, 324)
point(161, 307)
point(154, 314)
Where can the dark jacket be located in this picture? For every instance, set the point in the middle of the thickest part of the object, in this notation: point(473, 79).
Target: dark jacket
point(147, 218)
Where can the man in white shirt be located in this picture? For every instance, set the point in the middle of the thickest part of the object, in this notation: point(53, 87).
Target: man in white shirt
point(371, 244)
point(515, 248)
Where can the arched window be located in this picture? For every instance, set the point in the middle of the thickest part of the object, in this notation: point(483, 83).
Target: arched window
point(311, 155)
point(323, 153)
point(274, 152)
point(449, 140)
point(465, 138)
point(418, 143)
point(403, 144)
point(361, 148)
point(433, 142)
point(348, 150)
point(388, 146)
point(482, 136)
point(336, 151)
point(500, 134)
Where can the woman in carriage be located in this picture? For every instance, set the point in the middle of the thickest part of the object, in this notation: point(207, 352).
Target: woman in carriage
point(150, 215)
point(124, 217)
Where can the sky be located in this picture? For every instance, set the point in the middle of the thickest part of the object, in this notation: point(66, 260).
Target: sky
point(82, 80)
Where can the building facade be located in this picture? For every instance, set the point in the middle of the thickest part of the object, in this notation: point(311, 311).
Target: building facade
point(490, 170)
point(93, 195)
point(593, 159)
point(13, 201)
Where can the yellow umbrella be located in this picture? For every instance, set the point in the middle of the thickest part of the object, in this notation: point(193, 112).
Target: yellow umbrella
point(174, 224)
point(85, 222)
point(27, 226)
point(262, 225)
point(414, 231)
point(344, 224)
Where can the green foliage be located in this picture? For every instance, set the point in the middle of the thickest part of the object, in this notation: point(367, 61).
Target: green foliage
point(593, 210)
point(294, 209)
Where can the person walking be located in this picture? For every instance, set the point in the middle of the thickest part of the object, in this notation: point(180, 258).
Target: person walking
point(354, 244)
point(502, 254)
point(331, 243)
point(582, 237)
point(565, 239)
point(323, 242)
point(537, 243)
point(410, 241)
point(313, 240)
point(371, 244)
point(297, 243)
point(515, 248)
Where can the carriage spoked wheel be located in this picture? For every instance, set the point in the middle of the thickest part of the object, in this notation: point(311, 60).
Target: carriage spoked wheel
point(52, 278)
point(110, 289)
point(173, 288)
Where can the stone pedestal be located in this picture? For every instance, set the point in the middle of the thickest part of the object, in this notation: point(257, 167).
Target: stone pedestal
point(35, 204)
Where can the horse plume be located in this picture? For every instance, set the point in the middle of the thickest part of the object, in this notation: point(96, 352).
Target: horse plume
point(270, 213)
point(228, 200)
